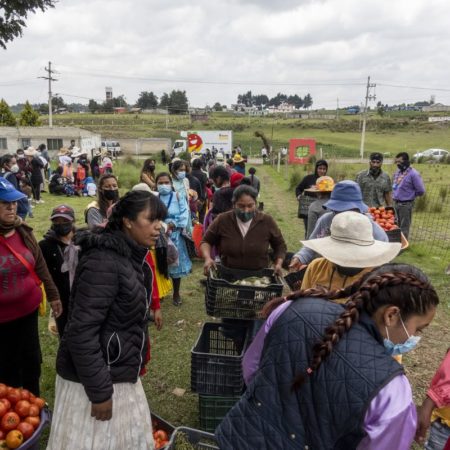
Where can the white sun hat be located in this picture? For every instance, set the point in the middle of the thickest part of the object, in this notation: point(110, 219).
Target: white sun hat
point(351, 243)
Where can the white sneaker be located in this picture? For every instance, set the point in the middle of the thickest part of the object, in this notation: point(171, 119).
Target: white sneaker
point(40, 201)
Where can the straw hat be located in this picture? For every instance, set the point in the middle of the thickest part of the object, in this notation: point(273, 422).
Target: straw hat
point(237, 158)
point(351, 243)
point(63, 151)
point(323, 184)
point(30, 151)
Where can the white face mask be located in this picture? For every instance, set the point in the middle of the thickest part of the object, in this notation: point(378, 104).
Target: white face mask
point(14, 168)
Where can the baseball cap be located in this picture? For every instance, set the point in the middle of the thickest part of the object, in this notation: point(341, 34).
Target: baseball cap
point(63, 211)
point(8, 193)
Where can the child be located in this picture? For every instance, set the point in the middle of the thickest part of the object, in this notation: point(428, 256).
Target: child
point(436, 407)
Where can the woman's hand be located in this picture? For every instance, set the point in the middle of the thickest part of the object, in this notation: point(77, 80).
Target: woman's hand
point(424, 419)
point(57, 308)
point(102, 411)
point(209, 262)
point(296, 265)
point(157, 315)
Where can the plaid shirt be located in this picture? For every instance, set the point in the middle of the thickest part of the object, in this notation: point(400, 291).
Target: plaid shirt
point(374, 189)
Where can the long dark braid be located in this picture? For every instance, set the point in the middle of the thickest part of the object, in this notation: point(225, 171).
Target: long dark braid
point(399, 285)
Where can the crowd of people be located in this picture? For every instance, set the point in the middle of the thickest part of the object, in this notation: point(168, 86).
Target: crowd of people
point(323, 369)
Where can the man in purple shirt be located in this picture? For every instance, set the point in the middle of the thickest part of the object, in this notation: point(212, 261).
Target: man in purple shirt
point(407, 185)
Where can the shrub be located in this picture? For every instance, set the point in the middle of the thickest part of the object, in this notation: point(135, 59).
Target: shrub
point(421, 204)
point(295, 179)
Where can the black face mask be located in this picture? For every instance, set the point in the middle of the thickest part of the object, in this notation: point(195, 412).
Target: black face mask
point(151, 168)
point(62, 229)
point(348, 271)
point(111, 194)
point(403, 165)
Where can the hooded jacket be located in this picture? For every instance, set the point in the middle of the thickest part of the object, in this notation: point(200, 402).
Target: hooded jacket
point(310, 180)
point(105, 338)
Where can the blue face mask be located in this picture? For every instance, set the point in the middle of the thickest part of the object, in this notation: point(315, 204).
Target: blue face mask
point(398, 349)
point(181, 175)
point(164, 189)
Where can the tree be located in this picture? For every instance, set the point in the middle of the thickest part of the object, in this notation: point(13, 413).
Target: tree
point(29, 117)
point(57, 103)
point(278, 99)
point(260, 100)
point(295, 100)
point(147, 100)
point(307, 101)
point(245, 99)
point(217, 107)
point(178, 102)
point(13, 14)
point(93, 106)
point(164, 102)
point(7, 118)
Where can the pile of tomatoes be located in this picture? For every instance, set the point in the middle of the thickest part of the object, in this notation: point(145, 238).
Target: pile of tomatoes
point(161, 439)
point(384, 217)
point(19, 416)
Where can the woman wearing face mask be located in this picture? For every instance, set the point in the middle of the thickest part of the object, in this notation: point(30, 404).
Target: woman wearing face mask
point(148, 173)
point(321, 375)
point(11, 173)
point(243, 236)
point(99, 393)
point(23, 269)
point(177, 220)
point(56, 242)
point(107, 195)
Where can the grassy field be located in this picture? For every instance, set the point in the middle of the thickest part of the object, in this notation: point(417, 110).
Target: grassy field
point(171, 347)
point(338, 138)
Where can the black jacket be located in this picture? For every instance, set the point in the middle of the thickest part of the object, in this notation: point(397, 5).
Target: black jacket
point(327, 412)
point(105, 338)
point(53, 251)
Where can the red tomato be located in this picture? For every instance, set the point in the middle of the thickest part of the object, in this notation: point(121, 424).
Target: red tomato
point(10, 421)
point(34, 411)
point(14, 439)
point(3, 409)
point(23, 408)
point(3, 390)
point(25, 394)
point(6, 402)
point(35, 421)
point(13, 395)
point(160, 435)
point(39, 402)
point(26, 429)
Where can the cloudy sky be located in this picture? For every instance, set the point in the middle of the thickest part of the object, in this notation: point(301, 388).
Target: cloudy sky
point(216, 49)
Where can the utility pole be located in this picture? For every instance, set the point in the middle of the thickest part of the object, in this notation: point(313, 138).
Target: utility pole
point(50, 79)
point(371, 97)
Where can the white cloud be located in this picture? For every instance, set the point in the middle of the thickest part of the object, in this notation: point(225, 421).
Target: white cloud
point(305, 42)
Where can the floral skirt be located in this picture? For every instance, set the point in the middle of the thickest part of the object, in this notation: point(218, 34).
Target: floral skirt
point(73, 428)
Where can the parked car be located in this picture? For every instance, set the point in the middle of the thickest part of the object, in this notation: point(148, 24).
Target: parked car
point(113, 147)
point(436, 154)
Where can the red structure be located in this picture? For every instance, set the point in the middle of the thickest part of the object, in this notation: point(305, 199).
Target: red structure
point(300, 150)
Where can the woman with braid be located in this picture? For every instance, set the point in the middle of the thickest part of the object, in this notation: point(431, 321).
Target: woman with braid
point(321, 375)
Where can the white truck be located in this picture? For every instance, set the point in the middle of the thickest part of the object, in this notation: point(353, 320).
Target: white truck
point(199, 141)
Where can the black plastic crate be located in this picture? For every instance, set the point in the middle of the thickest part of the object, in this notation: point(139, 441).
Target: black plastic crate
point(213, 409)
point(200, 440)
point(216, 360)
point(394, 235)
point(225, 299)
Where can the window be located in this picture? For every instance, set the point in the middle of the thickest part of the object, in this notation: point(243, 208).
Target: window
point(54, 144)
point(26, 142)
point(3, 144)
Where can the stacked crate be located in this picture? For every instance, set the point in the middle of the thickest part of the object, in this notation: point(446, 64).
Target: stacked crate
point(216, 358)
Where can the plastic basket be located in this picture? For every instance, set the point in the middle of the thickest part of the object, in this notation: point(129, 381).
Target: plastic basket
point(394, 235)
point(225, 299)
point(216, 360)
point(159, 423)
point(33, 442)
point(213, 409)
point(200, 440)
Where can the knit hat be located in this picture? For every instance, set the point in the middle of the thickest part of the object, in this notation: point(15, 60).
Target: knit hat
point(235, 179)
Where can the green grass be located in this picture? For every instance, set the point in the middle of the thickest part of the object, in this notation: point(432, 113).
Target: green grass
point(171, 347)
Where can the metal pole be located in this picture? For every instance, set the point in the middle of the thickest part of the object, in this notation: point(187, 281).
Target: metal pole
point(50, 113)
point(363, 131)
